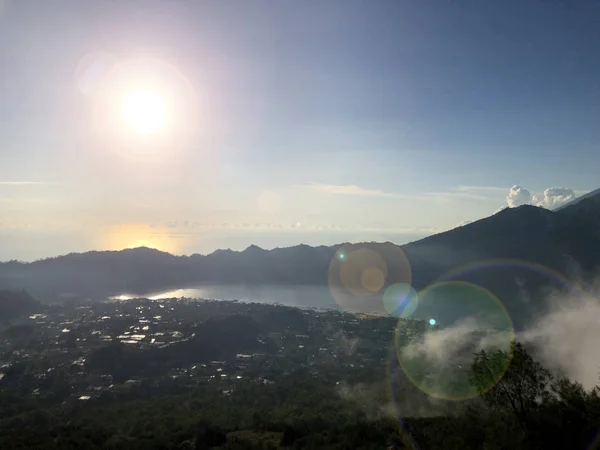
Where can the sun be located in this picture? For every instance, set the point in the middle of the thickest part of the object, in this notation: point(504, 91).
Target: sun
point(144, 111)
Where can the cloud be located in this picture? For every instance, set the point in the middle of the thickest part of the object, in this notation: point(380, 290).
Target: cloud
point(555, 197)
point(491, 189)
point(451, 343)
point(451, 195)
point(351, 190)
point(518, 196)
point(440, 345)
point(551, 198)
point(566, 337)
point(485, 193)
point(468, 192)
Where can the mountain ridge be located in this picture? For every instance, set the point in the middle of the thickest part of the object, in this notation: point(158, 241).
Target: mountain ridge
point(253, 247)
point(561, 241)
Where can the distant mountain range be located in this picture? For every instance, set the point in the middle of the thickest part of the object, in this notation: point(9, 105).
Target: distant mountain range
point(521, 241)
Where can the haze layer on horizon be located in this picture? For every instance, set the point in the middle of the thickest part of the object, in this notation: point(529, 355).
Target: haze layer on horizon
point(278, 123)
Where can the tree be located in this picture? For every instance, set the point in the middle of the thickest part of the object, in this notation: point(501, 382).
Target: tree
point(521, 390)
point(208, 436)
point(570, 419)
point(256, 421)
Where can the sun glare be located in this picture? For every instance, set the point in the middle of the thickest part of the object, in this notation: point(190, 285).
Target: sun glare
point(124, 236)
point(144, 243)
point(142, 109)
point(144, 112)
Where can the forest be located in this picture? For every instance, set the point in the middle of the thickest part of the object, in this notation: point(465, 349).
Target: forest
point(348, 403)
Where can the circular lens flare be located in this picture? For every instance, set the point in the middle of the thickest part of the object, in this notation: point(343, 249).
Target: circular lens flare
point(400, 401)
point(372, 279)
point(363, 272)
point(359, 274)
point(468, 319)
point(400, 300)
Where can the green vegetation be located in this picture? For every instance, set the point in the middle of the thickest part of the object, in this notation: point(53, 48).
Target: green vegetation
point(527, 409)
point(282, 378)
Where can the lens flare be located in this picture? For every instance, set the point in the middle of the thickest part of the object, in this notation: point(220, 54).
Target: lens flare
point(92, 70)
point(400, 300)
point(510, 278)
point(515, 267)
point(359, 273)
point(372, 279)
point(363, 271)
point(396, 391)
point(467, 319)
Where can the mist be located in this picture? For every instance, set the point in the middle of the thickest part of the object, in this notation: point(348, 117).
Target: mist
point(565, 339)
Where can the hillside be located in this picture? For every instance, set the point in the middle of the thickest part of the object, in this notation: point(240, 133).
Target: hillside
point(16, 304)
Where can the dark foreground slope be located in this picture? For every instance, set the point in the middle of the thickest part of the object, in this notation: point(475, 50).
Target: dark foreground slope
point(531, 242)
point(228, 375)
point(16, 304)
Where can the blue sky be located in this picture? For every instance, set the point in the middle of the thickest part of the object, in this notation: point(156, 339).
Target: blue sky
point(314, 121)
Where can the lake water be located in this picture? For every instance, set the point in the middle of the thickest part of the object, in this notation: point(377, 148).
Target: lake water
point(298, 296)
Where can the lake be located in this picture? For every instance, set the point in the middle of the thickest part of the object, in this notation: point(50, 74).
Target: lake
point(298, 296)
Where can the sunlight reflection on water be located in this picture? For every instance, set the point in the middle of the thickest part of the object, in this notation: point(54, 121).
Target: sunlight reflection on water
point(298, 296)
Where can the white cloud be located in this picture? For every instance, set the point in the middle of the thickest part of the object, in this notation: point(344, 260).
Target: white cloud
point(485, 193)
point(466, 192)
point(448, 344)
point(451, 195)
point(555, 197)
point(442, 344)
point(490, 189)
point(566, 338)
point(551, 198)
point(518, 196)
point(351, 189)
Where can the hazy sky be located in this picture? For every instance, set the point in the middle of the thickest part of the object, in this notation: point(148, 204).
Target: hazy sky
point(315, 121)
